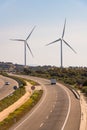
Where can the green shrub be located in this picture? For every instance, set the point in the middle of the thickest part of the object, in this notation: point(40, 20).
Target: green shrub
point(7, 101)
point(18, 113)
point(85, 83)
point(18, 93)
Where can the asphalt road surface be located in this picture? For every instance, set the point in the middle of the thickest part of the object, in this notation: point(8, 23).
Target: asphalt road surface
point(5, 90)
point(58, 109)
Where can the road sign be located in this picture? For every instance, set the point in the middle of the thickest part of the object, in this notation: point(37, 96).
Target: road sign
point(33, 87)
point(15, 87)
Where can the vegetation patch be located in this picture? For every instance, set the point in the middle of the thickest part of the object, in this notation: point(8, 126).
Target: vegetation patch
point(9, 100)
point(32, 82)
point(21, 81)
point(73, 76)
point(20, 112)
point(18, 93)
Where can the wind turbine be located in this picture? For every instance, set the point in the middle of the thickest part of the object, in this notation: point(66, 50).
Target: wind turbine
point(25, 44)
point(61, 42)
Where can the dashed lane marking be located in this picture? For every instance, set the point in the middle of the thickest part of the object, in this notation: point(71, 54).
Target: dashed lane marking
point(41, 124)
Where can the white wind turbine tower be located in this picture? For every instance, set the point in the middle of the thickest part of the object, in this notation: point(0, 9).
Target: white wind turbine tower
point(61, 42)
point(25, 44)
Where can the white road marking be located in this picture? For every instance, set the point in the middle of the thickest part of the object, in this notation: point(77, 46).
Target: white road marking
point(33, 111)
point(46, 117)
point(41, 124)
point(51, 111)
point(68, 109)
point(53, 106)
point(55, 103)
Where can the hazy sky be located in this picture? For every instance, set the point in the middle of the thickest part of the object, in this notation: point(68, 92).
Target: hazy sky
point(18, 17)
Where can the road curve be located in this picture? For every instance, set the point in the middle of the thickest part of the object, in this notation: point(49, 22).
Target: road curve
point(58, 109)
point(5, 90)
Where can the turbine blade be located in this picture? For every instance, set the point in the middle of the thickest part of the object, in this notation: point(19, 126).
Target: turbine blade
point(17, 40)
point(30, 33)
point(69, 46)
point(53, 42)
point(29, 49)
point(64, 29)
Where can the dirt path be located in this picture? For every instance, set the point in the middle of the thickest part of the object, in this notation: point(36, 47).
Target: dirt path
point(18, 103)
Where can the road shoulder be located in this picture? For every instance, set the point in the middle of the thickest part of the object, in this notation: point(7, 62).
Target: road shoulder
point(83, 103)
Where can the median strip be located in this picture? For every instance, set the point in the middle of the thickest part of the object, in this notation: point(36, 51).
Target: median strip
point(14, 106)
point(21, 111)
point(14, 112)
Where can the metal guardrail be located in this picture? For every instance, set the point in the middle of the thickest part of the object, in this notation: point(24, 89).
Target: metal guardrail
point(76, 93)
point(73, 90)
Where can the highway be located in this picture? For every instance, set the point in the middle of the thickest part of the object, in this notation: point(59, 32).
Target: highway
point(5, 90)
point(58, 109)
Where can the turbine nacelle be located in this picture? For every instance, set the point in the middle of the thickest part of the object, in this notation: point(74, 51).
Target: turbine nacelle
point(25, 44)
point(61, 41)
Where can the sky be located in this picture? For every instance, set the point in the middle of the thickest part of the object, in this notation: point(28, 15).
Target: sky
point(18, 17)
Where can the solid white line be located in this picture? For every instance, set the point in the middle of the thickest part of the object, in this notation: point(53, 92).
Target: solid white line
point(34, 110)
point(46, 117)
point(50, 111)
point(67, 116)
